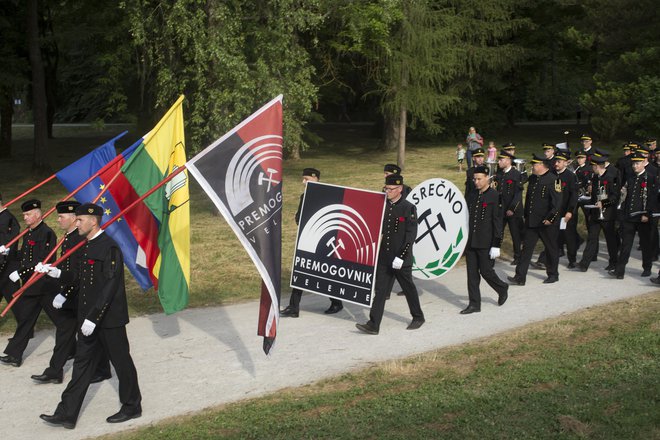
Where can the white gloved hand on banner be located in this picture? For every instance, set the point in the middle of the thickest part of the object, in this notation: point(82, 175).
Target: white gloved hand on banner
point(494, 253)
point(4, 250)
point(59, 301)
point(14, 276)
point(397, 263)
point(41, 268)
point(88, 327)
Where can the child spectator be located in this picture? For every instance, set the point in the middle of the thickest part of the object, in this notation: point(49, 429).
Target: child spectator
point(460, 156)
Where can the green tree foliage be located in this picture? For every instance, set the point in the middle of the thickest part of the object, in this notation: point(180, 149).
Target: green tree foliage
point(228, 58)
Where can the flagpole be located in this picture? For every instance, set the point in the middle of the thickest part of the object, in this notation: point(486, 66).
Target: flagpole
point(35, 187)
point(71, 194)
point(66, 255)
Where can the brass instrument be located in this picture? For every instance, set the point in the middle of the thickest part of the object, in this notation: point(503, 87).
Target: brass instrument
point(601, 196)
point(623, 195)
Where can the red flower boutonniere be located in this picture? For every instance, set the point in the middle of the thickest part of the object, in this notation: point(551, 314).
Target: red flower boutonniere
point(643, 185)
point(563, 184)
point(32, 242)
point(90, 262)
point(484, 204)
point(604, 182)
point(402, 219)
point(509, 182)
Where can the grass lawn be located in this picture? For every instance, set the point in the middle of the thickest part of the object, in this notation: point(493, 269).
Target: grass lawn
point(593, 374)
point(221, 271)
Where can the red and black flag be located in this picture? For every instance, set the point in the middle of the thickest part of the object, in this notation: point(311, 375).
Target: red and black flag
point(338, 239)
point(242, 173)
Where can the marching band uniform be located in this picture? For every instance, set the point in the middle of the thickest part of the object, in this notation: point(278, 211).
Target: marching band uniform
point(469, 174)
point(640, 202)
point(606, 184)
point(569, 196)
point(9, 261)
point(399, 231)
point(392, 168)
point(485, 217)
point(509, 185)
point(542, 203)
point(37, 244)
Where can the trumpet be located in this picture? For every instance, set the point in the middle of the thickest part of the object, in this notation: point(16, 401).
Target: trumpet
point(601, 196)
point(623, 195)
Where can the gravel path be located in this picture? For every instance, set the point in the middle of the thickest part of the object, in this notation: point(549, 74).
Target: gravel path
point(204, 357)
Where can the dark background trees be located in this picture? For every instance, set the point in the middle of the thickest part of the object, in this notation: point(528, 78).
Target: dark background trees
point(422, 66)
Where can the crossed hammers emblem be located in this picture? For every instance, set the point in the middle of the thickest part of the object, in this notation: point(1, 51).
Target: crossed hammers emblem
point(269, 179)
point(429, 228)
point(335, 249)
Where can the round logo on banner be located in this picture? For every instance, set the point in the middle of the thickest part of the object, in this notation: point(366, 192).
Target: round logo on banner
point(442, 227)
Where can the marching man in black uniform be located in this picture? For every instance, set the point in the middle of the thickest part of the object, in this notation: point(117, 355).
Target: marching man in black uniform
point(9, 259)
point(37, 244)
point(542, 203)
point(293, 309)
point(478, 157)
point(395, 256)
point(508, 182)
point(605, 196)
point(484, 241)
point(568, 211)
point(102, 319)
point(638, 207)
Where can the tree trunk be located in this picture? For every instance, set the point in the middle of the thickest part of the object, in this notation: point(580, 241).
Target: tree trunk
point(40, 160)
point(391, 132)
point(6, 113)
point(295, 152)
point(401, 150)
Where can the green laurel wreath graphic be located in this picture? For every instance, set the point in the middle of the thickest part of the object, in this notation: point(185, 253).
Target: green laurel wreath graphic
point(439, 267)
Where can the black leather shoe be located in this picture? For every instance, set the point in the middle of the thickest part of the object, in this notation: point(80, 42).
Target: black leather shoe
point(515, 281)
point(537, 265)
point(655, 280)
point(334, 308)
point(515, 262)
point(501, 299)
point(121, 417)
point(11, 360)
point(594, 259)
point(614, 274)
point(415, 324)
point(550, 280)
point(44, 378)
point(572, 265)
point(402, 293)
point(470, 309)
point(367, 328)
point(100, 378)
point(57, 419)
point(610, 267)
point(581, 268)
point(289, 312)
point(646, 273)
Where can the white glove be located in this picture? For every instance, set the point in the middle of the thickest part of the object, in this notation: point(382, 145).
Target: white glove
point(14, 276)
point(494, 253)
point(58, 301)
point(397, 263)
point(88, 327)
point(4, 250)
point(41, 268)
point(53, 271)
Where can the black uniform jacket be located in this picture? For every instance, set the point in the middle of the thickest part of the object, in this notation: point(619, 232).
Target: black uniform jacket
point(100, 281)
point(509, 185)
point(608, 184)
point(37, 244)
point(584, 175)
point(399, 231)
point(70, 264)
point(641, 196)
point(569, 192)
point(485, 220)
point(542, 200)
point(9, 229)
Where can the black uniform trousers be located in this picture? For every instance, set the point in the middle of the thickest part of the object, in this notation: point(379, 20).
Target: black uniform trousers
point(628, 236)
point(89, 352)
point(480, 265)
point(65, 330)
point(591, 248)
point(385, 277)
point(515, 229)
point(548, 235)
point(570, 238)
point(9, 287)
point(296, 294)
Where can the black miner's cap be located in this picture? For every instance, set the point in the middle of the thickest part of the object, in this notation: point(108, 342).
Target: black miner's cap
point(31, 204)
point(392, 168)
point(505, 154)
point(598, 159)
point(313, 172)
point(481, 170)
point(89, 209)
point(478, 152)
point(540, 159)
point(67, 207)
point(393, 179)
